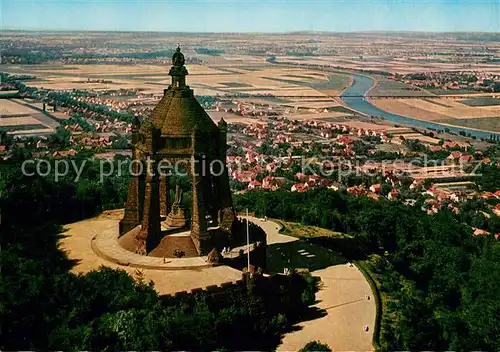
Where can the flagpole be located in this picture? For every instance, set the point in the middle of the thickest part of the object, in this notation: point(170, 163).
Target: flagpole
point(248, 246)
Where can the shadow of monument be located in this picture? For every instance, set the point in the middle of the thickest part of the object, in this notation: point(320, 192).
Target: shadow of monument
point(58, 233)
point(349, 248)
point(301, 255)
point(310, 314)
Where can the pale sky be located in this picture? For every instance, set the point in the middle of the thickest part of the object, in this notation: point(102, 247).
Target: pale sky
point(252, 16)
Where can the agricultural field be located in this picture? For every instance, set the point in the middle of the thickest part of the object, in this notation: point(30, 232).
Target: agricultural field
point(17, 117)
point(445, 110)
point(384, 87)
point(232, 118)
point(389, 64)
point(487, 124)
point(216, 79)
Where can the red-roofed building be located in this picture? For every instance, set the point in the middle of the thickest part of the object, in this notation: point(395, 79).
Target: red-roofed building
point(435, 148)
point(479, 232)
point(344, 140)
point(254, 184)
point(487, 195)
point(486, 161)
point(454, 155)
point(496, 210)
point(372, 195)
point(64, 153)
point(450, 145)
point(313, 180)
point(466, 158)
point(385, 139)
point(356, 190)
point(394, 194)
point(300, 176)
point(300, 187)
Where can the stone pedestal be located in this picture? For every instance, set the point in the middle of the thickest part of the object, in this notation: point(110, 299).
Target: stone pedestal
point(176, 218)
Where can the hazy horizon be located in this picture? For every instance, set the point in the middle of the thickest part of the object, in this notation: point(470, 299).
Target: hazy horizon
point(395, 32)
point(204, 16)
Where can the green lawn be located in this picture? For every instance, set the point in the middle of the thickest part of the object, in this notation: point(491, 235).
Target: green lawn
point(22, 127)
point(385, 87)
point(303, 231)
point(481, 101)
point(301, 253)
point(334, 81)
point(483, 123)
point(383, 300)
point(439, 91)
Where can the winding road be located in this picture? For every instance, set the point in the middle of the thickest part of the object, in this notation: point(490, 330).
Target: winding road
point(343, 301)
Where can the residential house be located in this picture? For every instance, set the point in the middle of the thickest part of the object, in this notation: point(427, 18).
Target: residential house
point(466, 158)
point(300, 176)
point(64, 153)
point(496, 210)
point(300, 187)
point(393, 194)
point(254, 184)
point(454, 156)
point(435, 148)
point(479, 232)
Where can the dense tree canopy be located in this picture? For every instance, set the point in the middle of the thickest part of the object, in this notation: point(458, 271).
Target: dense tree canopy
point(46, 307)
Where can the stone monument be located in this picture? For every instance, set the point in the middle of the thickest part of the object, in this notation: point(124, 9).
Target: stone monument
point(181, 132)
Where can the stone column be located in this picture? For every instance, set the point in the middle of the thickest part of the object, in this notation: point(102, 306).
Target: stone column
point(150, 233)
point(223, 179)
point(132, 217)
point(199, 232)
point(164, 197)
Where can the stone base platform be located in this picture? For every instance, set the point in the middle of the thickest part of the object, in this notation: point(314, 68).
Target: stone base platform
point(77, 243)
point(107, 246)
point(174, 239)
point(180, 241)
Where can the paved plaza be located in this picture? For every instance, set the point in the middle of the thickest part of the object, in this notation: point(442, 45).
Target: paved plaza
point(342, 299)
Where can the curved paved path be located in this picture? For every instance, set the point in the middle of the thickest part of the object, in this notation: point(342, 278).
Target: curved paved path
point(342, 297)
point(77, 243)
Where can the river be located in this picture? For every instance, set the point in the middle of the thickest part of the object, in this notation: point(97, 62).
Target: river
point(354, 97)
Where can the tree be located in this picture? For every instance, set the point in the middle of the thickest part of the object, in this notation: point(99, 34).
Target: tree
point(315, 346)
point(61, 136)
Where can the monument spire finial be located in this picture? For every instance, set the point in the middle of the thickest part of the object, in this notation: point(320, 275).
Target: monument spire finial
point(178, 70)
